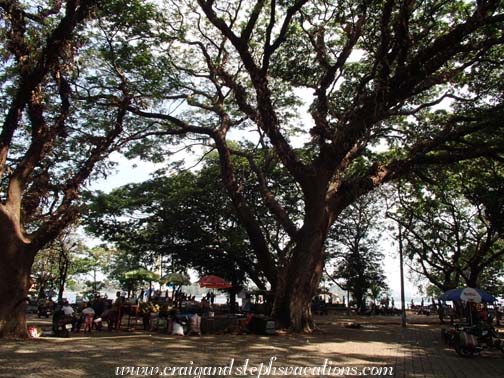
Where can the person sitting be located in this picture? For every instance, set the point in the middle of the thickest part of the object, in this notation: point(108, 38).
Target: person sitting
point(67, 309)
point(247, 304)
point(69, 315)
point(483, 314)
point(473, 315)
point(194, 325)
point(205, 306)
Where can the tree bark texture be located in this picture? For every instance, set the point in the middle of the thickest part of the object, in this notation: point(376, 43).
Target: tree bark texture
point(15, 269)
point(299, 279)
point(297, 284)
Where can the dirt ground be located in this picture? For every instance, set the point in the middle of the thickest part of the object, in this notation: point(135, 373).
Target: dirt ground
point(416, 351)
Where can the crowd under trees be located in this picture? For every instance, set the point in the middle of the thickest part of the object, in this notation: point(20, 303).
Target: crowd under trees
point(392, 90)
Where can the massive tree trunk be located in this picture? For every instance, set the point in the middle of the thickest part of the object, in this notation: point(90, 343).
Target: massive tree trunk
point(360, 300)
point(297, 283)
point(299, 278)
point(15, 268)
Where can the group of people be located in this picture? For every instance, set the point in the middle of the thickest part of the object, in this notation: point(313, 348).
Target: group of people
point(473, 312)
point(481, 313)
point(179, 296)
point(90, 314)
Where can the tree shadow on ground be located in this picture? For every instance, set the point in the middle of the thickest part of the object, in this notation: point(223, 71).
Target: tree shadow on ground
point(414, 351)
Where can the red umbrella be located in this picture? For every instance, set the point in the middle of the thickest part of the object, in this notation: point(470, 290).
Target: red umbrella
point(214, 282)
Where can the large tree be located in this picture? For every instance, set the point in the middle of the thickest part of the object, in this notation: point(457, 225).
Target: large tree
point(452, 225)
point(373, 74)
point(59, 122)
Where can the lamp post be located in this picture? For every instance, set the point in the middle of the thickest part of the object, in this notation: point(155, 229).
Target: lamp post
point(403, 300)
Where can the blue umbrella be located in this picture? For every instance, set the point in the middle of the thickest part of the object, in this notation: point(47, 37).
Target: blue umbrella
point(467, 294)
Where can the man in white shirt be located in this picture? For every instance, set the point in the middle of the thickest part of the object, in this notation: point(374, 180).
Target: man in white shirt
point(71, 317)
point(67, 309)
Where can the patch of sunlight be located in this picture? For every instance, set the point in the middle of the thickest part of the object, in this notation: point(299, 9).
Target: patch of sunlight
point(25, 351)
point(74, 338)
point(69, 373)
point(156, 354)
point(178, 346)
point(261, 347)
point(353, 348)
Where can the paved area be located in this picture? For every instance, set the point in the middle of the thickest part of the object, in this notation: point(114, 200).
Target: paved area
point(416, 351)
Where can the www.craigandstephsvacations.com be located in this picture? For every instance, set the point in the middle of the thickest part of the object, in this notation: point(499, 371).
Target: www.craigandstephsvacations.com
point(262, 369)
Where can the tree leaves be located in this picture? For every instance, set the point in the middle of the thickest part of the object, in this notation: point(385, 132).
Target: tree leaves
point(453, 224)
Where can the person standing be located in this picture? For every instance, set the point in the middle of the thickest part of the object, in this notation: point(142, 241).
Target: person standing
point(87, 316)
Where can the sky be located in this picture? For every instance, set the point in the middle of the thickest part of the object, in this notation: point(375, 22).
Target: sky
point(126, 172)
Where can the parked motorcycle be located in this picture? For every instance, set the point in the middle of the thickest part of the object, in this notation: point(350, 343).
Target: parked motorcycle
point(469, 340)
point(61, 324)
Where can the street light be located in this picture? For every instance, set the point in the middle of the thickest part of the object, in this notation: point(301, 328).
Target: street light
point(403, 300)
